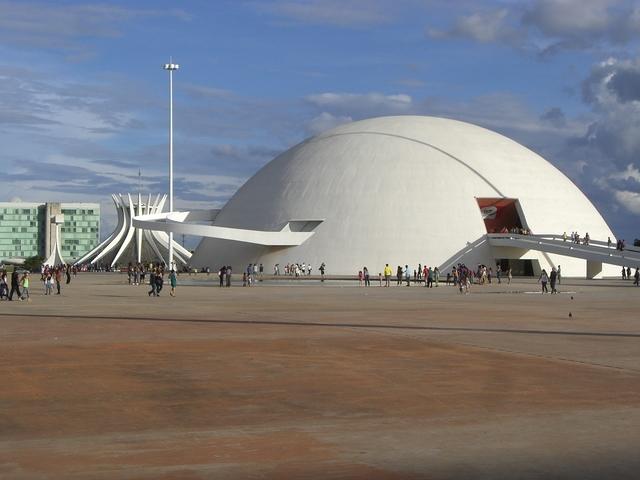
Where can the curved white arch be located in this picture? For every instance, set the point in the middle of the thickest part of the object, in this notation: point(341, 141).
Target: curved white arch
point(130, 232)
point(56, 254)
point(126, 232)
point(108, 240)
point(122, 222)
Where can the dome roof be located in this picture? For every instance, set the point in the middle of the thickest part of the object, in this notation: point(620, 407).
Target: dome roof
point(397, 190)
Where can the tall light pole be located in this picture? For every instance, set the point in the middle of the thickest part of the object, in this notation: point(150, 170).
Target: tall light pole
point(171, 67)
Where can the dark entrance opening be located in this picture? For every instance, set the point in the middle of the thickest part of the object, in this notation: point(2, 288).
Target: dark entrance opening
point(500, 215)
point(519, 267)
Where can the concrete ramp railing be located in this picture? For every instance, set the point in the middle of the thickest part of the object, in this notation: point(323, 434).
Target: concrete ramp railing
point(596, 251)
point(457, 257)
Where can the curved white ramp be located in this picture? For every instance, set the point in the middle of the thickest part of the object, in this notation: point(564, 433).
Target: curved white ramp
point(596, 251)
point(293, 233)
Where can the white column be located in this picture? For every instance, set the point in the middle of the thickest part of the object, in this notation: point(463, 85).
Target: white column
point(171, 67)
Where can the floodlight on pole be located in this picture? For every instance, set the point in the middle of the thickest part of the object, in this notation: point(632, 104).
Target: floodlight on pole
point(171, 67)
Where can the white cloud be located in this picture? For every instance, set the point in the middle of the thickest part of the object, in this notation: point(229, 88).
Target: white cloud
point(546, 27)
point(629, 200)
point(613, 91)
point(483, 27)
point(362, 103)
point(631, 173)
point(562, 18)
point(57, 26)
point(326, 121)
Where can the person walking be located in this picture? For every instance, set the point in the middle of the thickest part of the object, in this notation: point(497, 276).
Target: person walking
point(68, 273)
point(221, 274)
point(553, 276)
point(58, 280)
point(636, 277)
point(387, 275)
point(367, 282)
point(173, 281)
point(510, 276)
point(15, 285)
point(407, 275)
point(322, 268)
point(25, 287)
point(429, 277)
point(398, 275)
point(48, 283)
point(559, 275)
point(228, 276)
point(159, 282)
point(152, 283)
point(249, 270)
point(544, 279)
point(4, 288)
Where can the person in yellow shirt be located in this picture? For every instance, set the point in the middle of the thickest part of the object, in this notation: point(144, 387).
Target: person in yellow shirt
point(387, 275)
point(25, 287)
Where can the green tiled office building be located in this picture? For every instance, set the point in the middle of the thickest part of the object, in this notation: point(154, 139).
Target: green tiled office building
point(26, 229)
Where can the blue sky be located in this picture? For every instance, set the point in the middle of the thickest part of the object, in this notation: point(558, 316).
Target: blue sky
point(83, 96)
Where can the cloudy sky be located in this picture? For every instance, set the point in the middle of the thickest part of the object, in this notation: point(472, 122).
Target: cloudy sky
point(83, 97)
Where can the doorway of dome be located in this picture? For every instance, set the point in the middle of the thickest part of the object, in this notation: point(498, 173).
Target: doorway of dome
point(501, 215)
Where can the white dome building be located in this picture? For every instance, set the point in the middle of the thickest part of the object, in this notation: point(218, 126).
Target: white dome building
point(405, 190)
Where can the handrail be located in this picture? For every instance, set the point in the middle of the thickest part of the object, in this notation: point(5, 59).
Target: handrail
point(536, 242)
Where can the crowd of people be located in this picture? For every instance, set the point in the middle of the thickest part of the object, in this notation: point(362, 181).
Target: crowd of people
point(620, 245)
point(19, 282)
point(575, 238)
point(461, 276)
point(626, 275)
point(516, 230)
point(138, 272)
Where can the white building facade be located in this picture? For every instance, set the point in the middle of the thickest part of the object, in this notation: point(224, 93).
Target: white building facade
point(403, 190)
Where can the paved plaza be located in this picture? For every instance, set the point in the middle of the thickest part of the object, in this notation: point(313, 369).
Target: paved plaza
point(289, 380)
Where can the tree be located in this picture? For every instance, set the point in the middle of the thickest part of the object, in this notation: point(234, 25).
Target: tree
point(33, 264)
